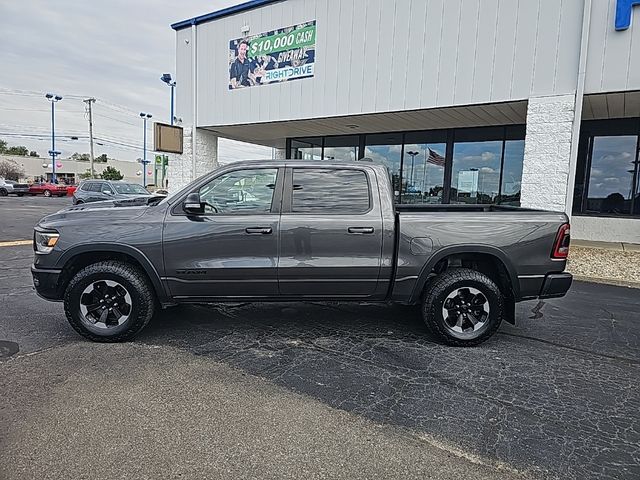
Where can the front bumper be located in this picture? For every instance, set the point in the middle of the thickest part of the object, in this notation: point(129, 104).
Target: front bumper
point(47, 283)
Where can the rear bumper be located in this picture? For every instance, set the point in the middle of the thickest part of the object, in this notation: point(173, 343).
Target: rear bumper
point(46, 283)
point(556, 285)
point(544, 286)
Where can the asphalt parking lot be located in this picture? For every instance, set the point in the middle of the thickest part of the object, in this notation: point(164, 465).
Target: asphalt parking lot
point(321, 390)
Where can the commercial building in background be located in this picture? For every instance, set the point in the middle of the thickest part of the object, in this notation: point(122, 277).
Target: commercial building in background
point(69, 171)
point(533, 103)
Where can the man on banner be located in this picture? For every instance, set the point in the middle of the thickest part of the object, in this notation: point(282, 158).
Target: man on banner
point(241, 67)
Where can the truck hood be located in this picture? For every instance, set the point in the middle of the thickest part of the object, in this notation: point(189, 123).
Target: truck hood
point(109, 211)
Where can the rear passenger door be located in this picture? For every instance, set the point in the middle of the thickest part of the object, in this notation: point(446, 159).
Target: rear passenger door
point(330, 233)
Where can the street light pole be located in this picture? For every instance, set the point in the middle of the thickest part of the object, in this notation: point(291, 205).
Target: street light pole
point(145, 117)
point(53, 99)
point(413, 156)
point(166, 78)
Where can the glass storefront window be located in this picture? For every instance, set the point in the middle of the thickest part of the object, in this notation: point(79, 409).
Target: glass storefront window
point(341, 148)
point(419, 162)
point(512, 172)
point(610, 187)
point(386, 149)
point(306, 149)
point(423, 173)
point(475, 174)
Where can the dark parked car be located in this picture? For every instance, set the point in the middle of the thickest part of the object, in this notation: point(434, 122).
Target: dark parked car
point(100, 190)
point(291, 231)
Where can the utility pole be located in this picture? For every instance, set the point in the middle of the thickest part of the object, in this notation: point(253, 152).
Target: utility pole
point(89, 101)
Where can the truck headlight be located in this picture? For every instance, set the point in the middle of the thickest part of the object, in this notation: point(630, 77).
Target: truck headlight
point(43, 242)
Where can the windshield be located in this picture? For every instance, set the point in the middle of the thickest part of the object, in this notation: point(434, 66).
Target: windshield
point(130, 189)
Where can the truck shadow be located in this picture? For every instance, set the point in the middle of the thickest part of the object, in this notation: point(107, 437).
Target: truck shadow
point(525, 397)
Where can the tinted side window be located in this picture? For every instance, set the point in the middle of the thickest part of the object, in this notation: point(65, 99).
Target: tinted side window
point(96, 187)
point(329, 191)
point(86, 187)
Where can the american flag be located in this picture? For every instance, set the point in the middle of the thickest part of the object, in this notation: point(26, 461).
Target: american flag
point(435, 158)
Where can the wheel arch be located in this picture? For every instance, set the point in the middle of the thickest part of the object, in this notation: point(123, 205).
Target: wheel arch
point(482, 253)
point(78, 257)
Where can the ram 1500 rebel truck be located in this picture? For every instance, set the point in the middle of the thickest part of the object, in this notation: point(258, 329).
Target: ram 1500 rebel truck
point(294, 231)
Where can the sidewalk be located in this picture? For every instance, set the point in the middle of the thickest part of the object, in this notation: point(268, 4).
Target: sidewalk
point(614, 263)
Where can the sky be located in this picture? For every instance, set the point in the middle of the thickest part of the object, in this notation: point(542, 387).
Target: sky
point(112, 50)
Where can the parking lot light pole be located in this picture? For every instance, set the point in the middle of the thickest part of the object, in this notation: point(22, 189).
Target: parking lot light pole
point(413, 156)
point(53, 99)
point(145, 117)
point(166, 78)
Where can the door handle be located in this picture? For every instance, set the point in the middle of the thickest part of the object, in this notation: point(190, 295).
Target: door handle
point(360, 230)
point(258, 230)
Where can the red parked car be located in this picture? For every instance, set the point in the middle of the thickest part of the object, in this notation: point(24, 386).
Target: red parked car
point(47, 189)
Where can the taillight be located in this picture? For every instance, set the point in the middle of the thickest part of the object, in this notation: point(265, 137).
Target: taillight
point(561, 245)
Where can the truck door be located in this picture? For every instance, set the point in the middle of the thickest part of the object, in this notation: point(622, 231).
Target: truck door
point(330, 233)
point(232, 249)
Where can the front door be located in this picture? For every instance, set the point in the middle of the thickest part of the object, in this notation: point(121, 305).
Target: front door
point(331, 233)
point(232, 249)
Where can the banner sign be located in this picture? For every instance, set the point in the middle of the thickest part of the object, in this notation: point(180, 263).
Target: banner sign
point(277, 56)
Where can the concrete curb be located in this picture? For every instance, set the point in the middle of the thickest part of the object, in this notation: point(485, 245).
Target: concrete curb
point(608, 281)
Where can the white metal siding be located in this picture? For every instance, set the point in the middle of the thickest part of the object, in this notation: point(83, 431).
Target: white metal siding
point(383, 55)
point(613, 62)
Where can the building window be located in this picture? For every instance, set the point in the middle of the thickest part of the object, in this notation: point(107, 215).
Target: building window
point(475, 165)
point(306, 149)
point(387, 149)
point(607, 172)
point(341, 148)
point(424, 165)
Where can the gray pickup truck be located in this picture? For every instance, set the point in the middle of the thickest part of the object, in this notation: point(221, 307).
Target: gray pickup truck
point(294, 231)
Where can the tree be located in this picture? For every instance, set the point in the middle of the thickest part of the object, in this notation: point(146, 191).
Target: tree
point(18, 150)
point(10, 170)
point(85, 175)
point(111, 173)
point(101, 158)
point(81, 157)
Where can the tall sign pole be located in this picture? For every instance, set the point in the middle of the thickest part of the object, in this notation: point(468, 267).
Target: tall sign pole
point(89, 101)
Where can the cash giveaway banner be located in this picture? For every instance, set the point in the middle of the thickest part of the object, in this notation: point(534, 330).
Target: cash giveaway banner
point(277, 56)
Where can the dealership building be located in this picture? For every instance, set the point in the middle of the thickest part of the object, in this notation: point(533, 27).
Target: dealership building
point(533, 103)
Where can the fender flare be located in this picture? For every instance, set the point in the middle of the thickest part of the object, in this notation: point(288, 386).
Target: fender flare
point(133, 252)
point(470, 249)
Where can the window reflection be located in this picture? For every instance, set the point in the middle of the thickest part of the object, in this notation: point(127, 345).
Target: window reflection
point(476, 172)
point(386, 149)
point(306, 149)
point(241, 191)
point(423, 173)
point(329, 191)
point(341, 148)
point(512, 172)
point(611, 175)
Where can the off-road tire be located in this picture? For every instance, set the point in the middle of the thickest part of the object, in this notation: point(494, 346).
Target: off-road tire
point(436, 292)
point(133, 279)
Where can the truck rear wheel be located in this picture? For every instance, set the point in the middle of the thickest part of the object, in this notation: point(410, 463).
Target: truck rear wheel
point(462, 307)
point(109, 301)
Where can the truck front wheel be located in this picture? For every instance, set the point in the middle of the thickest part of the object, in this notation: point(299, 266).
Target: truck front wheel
point(109, 301)
point(462, 307)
